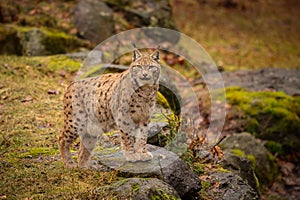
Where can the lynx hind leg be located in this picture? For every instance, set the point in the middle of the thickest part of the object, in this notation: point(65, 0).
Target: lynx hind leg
point(68, 134)
point(141, 144)
point(88, 140)
point(65, 140)
point(127, 144)
point(87, 144)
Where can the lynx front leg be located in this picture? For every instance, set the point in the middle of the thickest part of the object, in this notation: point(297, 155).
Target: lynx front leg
point(141, 143)
point(127, 144)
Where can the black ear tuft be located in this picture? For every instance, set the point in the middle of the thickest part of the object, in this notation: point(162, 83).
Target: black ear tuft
point(155, 55)
point(133, 44)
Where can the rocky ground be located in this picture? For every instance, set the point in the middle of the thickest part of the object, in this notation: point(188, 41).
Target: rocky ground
point(268, 79)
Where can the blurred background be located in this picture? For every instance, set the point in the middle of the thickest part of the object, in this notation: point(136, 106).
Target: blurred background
point(238, 34)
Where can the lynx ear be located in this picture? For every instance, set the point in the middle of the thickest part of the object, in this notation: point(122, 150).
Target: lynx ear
point(136, 54)
point(155, 55)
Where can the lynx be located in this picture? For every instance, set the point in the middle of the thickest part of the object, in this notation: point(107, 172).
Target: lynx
point(122, 101)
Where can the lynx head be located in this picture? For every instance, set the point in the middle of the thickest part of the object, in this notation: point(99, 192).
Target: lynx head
point(145, 68)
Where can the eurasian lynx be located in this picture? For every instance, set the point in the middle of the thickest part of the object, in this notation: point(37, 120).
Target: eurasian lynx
point(124, 101)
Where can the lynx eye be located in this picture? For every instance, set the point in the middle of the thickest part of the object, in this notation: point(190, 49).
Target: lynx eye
point(153, 68)
point(139, 67)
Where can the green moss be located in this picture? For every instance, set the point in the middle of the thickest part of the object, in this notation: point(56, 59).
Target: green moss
point(221, 169)
point(163, 195)
point(204, 187)
point(238, 152)
point(242, 154)
point(37, 151)
point(58, 42)
point(197, 168)
point(268, 115)
point(135, 187)
point(37, 41)
point(57, 63)
point(252, 159)
point(274, 147)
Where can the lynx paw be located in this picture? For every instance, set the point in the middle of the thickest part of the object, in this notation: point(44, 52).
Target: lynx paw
point(92, 164)
point(131, 157)
point(146, 156)
point(70, 164)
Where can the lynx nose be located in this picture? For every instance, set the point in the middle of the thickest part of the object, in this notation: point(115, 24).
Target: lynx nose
point(145, 74)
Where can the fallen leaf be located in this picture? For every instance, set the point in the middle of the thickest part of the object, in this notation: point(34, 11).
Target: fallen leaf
point(55, 92)
point(63, 73)
point(33, 12)
point(4, 97)
point(27, 99)
point(216, 184)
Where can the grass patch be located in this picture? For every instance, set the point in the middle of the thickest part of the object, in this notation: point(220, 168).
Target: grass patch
point(31, 120)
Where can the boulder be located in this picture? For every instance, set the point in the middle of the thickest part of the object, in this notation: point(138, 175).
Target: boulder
point(227, 186)
point(136, 188)
point(247, 146)
point(165, 165)
point(36, 41)
point(242, 167)
point(94, 20)
point(155, 13)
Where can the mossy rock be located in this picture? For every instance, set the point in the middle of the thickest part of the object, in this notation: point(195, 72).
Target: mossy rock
point(268, 115)
point(247, 146)
point(31, 41)
point(136, 188)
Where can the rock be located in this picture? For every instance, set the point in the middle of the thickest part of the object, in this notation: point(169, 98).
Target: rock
point(36, 41)
point(141, 13)
point(8, 11)
point(155, 13)
point(155, 134)
point(246, 145)
point(94, 20)
point(228, 186)
point(275, 79)
point(165, 165)
point(136, 188)
point(242, 167)
point(9, 40)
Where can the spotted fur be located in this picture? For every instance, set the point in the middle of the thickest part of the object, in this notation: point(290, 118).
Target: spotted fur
point(121, 101)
